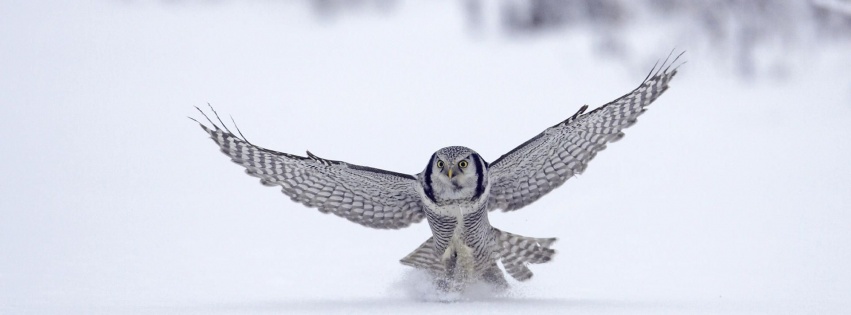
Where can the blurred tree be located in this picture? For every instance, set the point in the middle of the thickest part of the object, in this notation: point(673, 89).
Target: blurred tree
point(737, 30)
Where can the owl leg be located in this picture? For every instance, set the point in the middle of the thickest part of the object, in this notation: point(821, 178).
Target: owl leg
point(454, 278)
point(447, 284)
point(494, 277)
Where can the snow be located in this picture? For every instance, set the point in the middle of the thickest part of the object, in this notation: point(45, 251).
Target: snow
point(728, 196)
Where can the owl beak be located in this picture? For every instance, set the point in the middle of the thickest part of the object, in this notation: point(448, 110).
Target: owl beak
point(450, 173)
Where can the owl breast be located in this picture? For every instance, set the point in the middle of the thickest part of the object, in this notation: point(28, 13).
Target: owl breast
point(462, 237)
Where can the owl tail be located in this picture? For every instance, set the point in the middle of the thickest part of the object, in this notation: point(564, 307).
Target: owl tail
point(515, 252)
point(424, 257)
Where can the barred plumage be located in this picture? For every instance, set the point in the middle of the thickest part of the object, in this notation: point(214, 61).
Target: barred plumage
point(546, 161)
point(368, 196)
point(456, 190)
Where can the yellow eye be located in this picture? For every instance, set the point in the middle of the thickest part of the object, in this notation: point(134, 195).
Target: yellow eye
point(439, 164)
point(463, 164)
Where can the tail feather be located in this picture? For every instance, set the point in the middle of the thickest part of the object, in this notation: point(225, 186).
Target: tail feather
point(424, 257)
point(517, 251)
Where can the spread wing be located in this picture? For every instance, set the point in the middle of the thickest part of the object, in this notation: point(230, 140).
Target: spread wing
point(371, 197)
point(549, 159)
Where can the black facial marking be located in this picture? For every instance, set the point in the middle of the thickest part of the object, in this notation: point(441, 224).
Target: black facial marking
point(480, 176)
point(427, 187)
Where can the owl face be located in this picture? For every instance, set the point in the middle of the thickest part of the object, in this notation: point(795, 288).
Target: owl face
point(455, 174)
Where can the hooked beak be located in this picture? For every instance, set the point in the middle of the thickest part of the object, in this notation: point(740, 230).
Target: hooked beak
point(450, 173)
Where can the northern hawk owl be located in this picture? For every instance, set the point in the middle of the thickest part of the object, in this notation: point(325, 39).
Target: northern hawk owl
point(456, 190)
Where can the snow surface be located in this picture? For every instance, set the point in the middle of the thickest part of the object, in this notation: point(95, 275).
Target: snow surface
point(728, 196)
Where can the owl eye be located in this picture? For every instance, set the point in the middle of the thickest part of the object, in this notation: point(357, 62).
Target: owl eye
point(439, 164)
point(462, 164)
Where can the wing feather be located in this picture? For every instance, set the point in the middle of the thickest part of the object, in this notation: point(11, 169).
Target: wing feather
point(368, 196)
point(549, 159)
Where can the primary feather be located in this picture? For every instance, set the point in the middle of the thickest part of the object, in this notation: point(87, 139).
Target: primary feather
point(546, 161)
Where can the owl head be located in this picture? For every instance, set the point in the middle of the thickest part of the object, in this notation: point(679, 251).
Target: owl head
point(455, 174)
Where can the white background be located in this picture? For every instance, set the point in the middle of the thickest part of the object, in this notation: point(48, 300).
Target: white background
point(728, 196)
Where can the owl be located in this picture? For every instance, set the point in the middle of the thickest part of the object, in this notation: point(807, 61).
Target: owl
point(456, 191)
